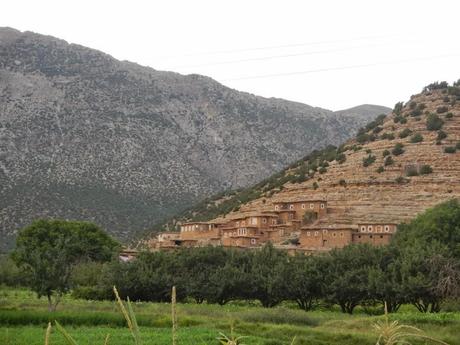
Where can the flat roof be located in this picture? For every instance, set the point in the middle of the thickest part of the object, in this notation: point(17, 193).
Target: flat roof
point(298, 200)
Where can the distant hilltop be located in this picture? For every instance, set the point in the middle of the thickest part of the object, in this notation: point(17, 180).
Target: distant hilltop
point(397, 166)
point(85, 136)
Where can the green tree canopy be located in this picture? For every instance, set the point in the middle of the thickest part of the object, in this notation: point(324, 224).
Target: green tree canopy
point(49, 250)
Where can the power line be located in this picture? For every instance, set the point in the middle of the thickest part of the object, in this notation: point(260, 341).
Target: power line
point(341, 68)
point(282, 46)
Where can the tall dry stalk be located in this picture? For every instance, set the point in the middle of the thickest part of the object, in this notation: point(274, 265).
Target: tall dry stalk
point(130, 317)
point(47, 334)
point(174, 315)
point(392, 333)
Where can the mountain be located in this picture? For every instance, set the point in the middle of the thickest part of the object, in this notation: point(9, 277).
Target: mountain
point(397, 166)
point(85, 136)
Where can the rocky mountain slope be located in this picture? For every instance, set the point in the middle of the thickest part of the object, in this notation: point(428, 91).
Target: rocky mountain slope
point(85, 136)
point(396, 167)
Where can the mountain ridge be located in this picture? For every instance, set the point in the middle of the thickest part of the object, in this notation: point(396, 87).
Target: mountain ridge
point(85, 136)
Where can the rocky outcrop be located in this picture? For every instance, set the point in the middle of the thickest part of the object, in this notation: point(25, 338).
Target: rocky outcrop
point(85, 136)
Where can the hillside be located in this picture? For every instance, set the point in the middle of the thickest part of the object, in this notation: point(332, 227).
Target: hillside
point(85, 136)
point(395, 168)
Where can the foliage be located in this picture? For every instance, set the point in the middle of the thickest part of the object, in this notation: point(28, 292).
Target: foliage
point(450, 149)
point(388, 161)
point(405, 133)
point(441, 135)
point(380, 169)
point(369, 160)
point(436, 86)
point(442, 109)
point(434, 122)
point(49, 250)
point(387, 136)
point(416, 138)
point(385, 153)
point(398, 149)
point(425, 169)
point(398, 108)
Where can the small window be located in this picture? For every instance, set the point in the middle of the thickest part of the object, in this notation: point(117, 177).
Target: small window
point(334, 234)
point(387, 228)
point(359, 236)
point(254, 221)
point(381, 236)
point(264, 220)
point(369, 228)
point(312, 206)
point(237, 223)
point(281, 232)
point(316, 233)
point(363, 229)
point(277, 207)
point(291, 207)
point(253, 241)
point(325, 232)
point(291, 216)
point(274, 221)
point(341, 234)
point(322, 205)
point(370, 236)
point(308, 233)
point(303, 206)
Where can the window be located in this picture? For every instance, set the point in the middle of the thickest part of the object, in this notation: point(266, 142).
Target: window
point(303, 206)
point(274, 221)
point(334, 234)
point(281, 232)
point(254, 221)
point(308, 234)
point(370, 236)
point(369, 228)
point(325, 232)
point(264, 220)
point(387, 228)
point(379, 228)
point(277, 207)
point(291, 216)
point(237, 223)
point(312, 206)
point(322, 205)
point(253, 241)
point(381, 236)
point(359, 236)
point(291, 207)
point(363, 229)
point(316, 233)
point(341, 234)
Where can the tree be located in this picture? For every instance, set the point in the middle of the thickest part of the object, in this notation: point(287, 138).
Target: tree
point(49, 250)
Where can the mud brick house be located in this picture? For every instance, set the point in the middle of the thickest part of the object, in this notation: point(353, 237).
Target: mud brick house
point(376, 234)
point(326, 237)
point(293, 211)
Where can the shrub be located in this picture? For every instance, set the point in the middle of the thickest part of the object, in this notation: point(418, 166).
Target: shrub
point(416, 138)
point(398, 108)
point(441, 135)
point(446, 99)
point(425, 170)
point(442, 109)
point(457, 146)
point(368, 160)
point(368, 151)
point(411, 171)
point(398, 149)
point(405, 133)
point(388, 161)
point(341, 158)
point(401, 180)
point(450, 149)
point(416, 112)
point(377, 129)
point(403, 121)
point(412, 105)
point(434, 122)
point(387, 136)
point(436, 86)
point(385, 153)
point(342, 182)
point(449, 115)
point(380, 169)
point(322, 170)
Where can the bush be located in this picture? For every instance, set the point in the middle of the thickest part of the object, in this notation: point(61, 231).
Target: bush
point(385, 153)
point(315, 185)
point(442, 109)
point(425, 170)
point(434, 122)
point(322, 170)
point(450, 149)
point(411, 171)
point(441, 135)
point(369, 160)
point(449, 115)
point(412, 105)
point(388, 161)
point(398, 149)
point(405, 133)
point(403, 121)
point(436, 86)
point(446, 99)
point(369, 151)
point(416, 138)
point(401, 180)
point(416, 112)
point(398, 108)
point(457, 146)
point(377, 129)
point(380, 169)
point(341, 158)
point(387, 136)
point(342, 182)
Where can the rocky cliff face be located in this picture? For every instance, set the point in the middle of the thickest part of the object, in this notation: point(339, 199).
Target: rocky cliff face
point(85, 136)
point(402, 165)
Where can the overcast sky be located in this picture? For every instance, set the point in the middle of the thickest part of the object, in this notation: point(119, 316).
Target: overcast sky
point(331, 54)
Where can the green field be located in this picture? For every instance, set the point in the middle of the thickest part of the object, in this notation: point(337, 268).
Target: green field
point(23, 319)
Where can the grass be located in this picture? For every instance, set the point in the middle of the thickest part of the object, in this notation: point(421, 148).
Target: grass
point(23, 321)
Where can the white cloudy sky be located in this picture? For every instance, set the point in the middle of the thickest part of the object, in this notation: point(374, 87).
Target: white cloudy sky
point(332, 54)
